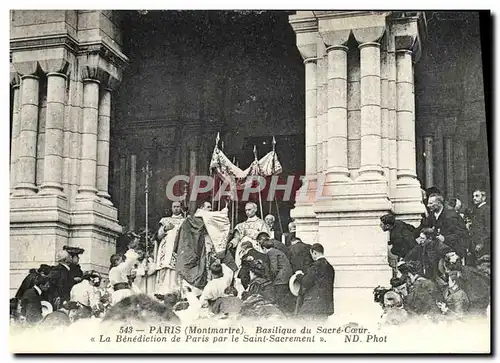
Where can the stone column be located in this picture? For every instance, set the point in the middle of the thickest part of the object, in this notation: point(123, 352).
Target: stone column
point(103, 135)
point(15, 135)
point(26, 164)
point(54, 128)
point(449, 172)
point(337, 170)
point(40, 141)
point(311, 120)
point(122, 207)
point(324, 111)
point(429, 161)
point(438, 158)
point(88, 172)
point(371, 147)
point(311, 48)
point(406, 126)
point(392, 117)
point(460, 169)
point(133, 191)
point(384, 113)
point(320, 107)
point(407, 197)
point(353, 112)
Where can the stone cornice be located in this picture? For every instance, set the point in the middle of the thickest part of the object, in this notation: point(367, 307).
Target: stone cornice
point(303, 24)
point(345, 14)
point(45, 41)
point(113, 56)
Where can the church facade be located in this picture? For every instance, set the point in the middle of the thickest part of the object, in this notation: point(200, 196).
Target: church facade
point(370, 106)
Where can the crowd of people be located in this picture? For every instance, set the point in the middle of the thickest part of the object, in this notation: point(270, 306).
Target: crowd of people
point(244, 273)
point(441, 269)
point(200, 268)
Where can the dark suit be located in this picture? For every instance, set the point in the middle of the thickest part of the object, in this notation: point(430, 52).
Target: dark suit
point(401, 238)
point(61, 282)
point(422, 297)
point(480, 230)
point(75, 271)
point(300, 256)
point(281, 271)
point(280, 246)
point(317, 289)
point(31, 306)
point(429, 255)
point(28, 283)
point(452, 226)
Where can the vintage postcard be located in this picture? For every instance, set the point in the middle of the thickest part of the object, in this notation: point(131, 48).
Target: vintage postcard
point(244, 181)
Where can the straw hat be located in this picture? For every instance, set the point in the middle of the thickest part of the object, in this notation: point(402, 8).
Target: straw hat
point(46, 308)
point(293, 284)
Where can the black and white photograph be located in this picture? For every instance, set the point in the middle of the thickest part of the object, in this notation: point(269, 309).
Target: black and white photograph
point(250, 181)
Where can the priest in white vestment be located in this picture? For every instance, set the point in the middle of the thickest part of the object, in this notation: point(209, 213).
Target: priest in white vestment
point(165, 258)
point(248, 231)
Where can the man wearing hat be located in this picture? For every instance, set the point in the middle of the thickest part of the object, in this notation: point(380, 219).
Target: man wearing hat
point(75, 269)
point(29, 280)
point(31, 302)
point(86, 292)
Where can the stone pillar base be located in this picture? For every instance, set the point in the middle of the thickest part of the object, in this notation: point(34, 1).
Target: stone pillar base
point(303, 213)
point(94, 227)
point(357, 305)
point(349, 230)
point(104, 198)
point(306, 222)
point(407, 201)
point(38, 230)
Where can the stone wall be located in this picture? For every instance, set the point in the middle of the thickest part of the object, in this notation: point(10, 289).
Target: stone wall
point(64, 67)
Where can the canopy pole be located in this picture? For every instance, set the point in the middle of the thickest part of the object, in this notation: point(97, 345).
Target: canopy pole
point(272, 175)
point(147, 175)
point(236, 206)
point(218, 196)
point(232, 213)
point(279, 216)
point(214, 175)
point(260, 204)
point(232, 200)
point(270, 205)
point(214, 178)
